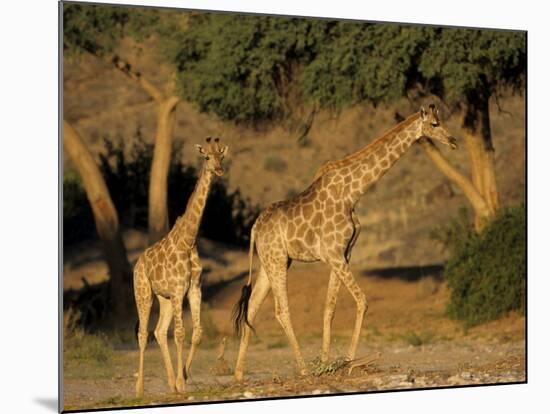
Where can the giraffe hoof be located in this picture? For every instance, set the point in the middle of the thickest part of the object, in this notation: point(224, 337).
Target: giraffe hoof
point(139, 391)
point(180, 386)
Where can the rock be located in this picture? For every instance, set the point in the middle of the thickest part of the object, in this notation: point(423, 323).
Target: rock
point(316, 392)
point(377, 382)
point(398, 378)
point(466, 375)
point(248, 394)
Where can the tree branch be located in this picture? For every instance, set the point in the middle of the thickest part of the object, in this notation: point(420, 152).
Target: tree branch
point(136, 76)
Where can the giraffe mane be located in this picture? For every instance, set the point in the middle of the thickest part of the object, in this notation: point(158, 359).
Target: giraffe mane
point(332, 165)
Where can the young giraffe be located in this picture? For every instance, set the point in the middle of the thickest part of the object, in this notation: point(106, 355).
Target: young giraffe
point(171, 269)
point(320, 224)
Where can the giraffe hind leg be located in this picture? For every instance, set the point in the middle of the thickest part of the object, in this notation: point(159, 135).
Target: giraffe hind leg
point(194, 297)
point(259, 293)
point(161, 335)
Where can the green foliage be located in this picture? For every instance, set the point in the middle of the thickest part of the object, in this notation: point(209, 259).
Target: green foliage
point(418, 339)
point(241, 67)
point(98, 29)
point(319, 368)
point(462, 62)
point(246, 68)
point(258, 68)
point(486, 272)
point(358, 62)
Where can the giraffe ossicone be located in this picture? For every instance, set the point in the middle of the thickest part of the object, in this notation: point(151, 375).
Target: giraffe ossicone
point(320, 224)
point(170, 269)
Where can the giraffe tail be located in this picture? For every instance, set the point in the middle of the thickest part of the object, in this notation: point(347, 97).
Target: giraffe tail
point(240, 313)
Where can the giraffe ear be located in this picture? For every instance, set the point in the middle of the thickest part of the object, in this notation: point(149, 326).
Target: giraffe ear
point(199, 149)
point(423, 113)
point(224, 150)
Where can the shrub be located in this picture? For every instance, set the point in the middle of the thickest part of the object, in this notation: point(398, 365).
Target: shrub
point(78, 220)
point(275, 164)
point(79, 345)
point(418, 339)
point(486, 273)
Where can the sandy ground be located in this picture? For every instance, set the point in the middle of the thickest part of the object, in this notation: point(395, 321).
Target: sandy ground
point(406, 326)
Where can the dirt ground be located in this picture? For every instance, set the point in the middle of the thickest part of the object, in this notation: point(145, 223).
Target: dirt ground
point(416, 346)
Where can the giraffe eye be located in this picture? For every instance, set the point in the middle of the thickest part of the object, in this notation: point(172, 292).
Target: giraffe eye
point(207, 157)
point(435, 124)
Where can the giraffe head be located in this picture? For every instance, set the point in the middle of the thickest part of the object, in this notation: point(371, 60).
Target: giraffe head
point(433, 128)
point(213, 154)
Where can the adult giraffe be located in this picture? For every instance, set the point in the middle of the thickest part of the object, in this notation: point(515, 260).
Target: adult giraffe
point(320, 225)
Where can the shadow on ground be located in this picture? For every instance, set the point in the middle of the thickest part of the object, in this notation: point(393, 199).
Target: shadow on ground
point(407, 273)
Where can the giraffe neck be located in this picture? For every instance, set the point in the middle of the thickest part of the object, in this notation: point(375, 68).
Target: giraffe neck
point(187, 226)
point(376, 159)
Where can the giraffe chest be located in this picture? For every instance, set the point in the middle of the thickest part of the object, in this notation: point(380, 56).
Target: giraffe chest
point(169, 273)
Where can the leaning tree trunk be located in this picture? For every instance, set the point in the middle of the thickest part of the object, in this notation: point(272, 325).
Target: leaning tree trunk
point(476, 128)
point(106, 219)
point(158, 182)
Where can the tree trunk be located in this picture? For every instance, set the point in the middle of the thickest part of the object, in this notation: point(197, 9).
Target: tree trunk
point(476, 129)
point(158, 183)
point(106, 219)
point(482, 211)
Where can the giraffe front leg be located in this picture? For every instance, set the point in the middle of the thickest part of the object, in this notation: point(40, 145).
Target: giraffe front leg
point(330, 304)
point(144, 300)
point(179, 336)
point(195, 297)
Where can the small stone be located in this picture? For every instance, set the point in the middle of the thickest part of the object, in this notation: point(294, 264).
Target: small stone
point(190, 398)
point(248, 394)
point(466, 375)
point(316, 392)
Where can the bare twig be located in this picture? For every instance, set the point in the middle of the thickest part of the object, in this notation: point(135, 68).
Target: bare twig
point(363, 362)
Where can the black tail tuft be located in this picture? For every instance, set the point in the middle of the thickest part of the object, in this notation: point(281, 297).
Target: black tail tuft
point(240, 313)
